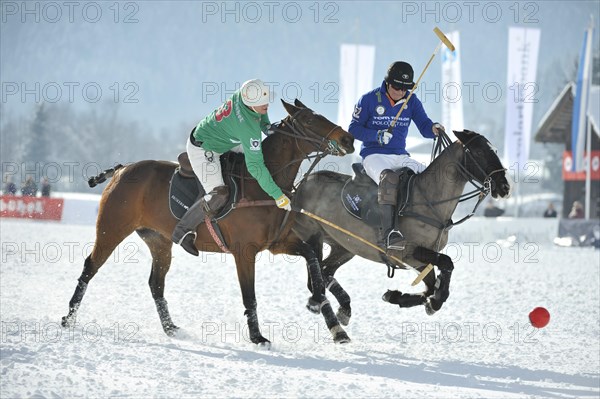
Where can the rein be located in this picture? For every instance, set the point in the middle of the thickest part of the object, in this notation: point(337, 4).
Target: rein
point(481, 190)
point(296, 132)
point(300, 133)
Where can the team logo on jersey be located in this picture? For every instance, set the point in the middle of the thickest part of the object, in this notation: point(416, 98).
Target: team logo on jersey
point(380, 109)
point(255, 145)
point(356, 112)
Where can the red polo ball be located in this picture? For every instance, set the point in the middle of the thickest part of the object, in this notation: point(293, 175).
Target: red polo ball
point(539, 317)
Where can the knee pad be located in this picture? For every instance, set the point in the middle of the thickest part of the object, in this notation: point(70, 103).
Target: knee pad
point(388, 187)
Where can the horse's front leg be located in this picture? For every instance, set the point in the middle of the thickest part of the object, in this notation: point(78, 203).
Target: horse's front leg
point(160, 248)
point(438, 288)
point(319, 299)
point(337, 257)
point(245, 264)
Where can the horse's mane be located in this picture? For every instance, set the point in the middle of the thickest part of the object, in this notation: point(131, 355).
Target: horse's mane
point(452, 147)
point(327, 174)
point(267, 141)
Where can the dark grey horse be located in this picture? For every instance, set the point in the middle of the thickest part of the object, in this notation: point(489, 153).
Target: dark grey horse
point(424, 219)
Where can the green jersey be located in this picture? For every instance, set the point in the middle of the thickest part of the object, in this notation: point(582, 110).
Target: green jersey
point(233, 124)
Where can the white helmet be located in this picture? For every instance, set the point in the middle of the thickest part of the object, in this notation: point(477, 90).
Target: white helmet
point(255, 93)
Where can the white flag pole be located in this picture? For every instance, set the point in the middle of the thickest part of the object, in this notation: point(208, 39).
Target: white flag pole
point(588, 169)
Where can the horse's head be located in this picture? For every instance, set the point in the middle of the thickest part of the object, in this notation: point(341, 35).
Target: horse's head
point(325, 135)
point(482, 162)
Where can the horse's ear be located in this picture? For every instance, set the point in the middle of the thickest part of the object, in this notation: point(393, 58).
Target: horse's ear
point(290, 108)
point(298, 103)
point(463, 135)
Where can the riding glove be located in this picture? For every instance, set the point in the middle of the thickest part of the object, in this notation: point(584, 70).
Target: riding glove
point(437, 127)
point(383, 137)
point(283, 202)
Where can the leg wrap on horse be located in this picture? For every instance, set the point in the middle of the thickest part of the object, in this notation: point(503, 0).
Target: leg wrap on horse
point(165, 317)
point(318, 290)
point(70, 318)
point(404, 300)
point(426, 255)
point(339, 293)
point(78, 295)
point(442, 286)
point(252, 318)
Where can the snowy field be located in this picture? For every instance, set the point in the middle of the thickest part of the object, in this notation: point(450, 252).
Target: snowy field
point(479, 345)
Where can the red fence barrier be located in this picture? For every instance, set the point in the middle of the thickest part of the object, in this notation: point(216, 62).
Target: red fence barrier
point(42, 208)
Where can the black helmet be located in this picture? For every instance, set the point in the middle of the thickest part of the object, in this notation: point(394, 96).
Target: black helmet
point(400, 75)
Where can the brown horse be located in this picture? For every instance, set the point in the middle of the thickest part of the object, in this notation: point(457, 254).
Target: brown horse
point(136, 199)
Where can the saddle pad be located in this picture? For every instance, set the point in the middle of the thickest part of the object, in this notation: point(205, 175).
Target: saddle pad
point(183, 192)
point(359, 194)
point(359, 197)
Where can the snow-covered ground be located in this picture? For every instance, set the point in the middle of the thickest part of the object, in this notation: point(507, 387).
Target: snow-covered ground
point(479, 345)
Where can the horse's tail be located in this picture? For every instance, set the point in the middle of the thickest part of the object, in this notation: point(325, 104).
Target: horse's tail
point(101, 178)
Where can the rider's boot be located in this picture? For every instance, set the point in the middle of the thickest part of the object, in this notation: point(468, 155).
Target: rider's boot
point(215, 200)
point(389, 236)
point(185, 231)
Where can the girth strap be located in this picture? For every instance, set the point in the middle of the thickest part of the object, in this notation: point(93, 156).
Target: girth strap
point(217, 237)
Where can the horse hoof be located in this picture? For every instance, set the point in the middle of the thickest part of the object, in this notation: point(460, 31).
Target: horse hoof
point(341, 338)
point(67, 321)
point(313, 306)
point(264, 345)
point(430, 308)
point(391, 296)
point(261, 341)
point(343, 315)
point(171, 330)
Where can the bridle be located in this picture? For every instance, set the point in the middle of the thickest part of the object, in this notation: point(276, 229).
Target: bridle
point(291, 127)
point(482, 189)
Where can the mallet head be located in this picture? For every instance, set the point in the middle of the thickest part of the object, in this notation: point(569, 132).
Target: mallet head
point(444, 39)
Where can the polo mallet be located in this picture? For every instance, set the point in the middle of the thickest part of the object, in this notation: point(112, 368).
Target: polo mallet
point(421, 275)
point(443, 40)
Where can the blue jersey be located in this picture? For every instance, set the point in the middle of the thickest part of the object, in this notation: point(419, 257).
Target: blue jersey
point(375, 111)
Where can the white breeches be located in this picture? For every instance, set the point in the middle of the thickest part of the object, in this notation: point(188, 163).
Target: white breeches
point(207, 166)
point(374, 164)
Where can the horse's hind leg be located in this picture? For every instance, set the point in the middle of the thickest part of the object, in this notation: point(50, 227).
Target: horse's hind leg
point(115, 222)
point(438, 289)
point(160, 248)
point(104, 246)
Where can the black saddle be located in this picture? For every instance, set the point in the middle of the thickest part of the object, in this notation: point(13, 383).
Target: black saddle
point(185, 188)
point(359, 194)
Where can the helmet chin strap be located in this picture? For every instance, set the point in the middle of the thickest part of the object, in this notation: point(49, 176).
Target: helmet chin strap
point(253, 108)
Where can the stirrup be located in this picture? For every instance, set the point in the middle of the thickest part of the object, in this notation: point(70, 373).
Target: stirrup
point(395, 240)
point(187, 243)
point(185, 235)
